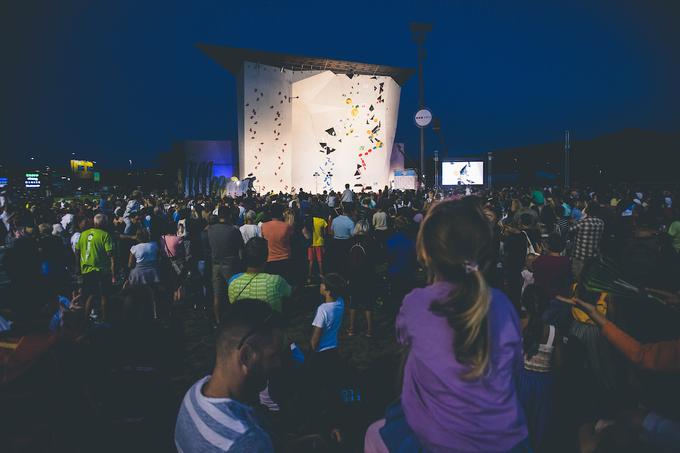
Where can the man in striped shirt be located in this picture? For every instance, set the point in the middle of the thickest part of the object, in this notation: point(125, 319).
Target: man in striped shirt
point(216, 413)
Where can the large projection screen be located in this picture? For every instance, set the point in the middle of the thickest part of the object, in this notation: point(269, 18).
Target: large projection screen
point(463, 173)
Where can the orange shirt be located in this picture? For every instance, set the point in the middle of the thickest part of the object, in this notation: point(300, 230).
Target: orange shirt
point(661, 356)
point(277, 234)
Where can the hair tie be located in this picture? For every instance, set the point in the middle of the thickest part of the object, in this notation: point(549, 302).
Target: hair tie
point(470, 266)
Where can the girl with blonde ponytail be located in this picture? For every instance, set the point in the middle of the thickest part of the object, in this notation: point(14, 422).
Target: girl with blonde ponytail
point(465, 347)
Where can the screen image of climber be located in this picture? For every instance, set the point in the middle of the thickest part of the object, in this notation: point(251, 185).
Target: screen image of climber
point(463, 173)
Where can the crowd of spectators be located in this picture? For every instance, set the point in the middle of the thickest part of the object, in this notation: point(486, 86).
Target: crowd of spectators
point(507, 345)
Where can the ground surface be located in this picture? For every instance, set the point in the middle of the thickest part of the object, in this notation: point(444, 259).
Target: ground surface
point(372, 363)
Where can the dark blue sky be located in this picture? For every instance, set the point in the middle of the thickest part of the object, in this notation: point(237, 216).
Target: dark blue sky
point(123, 79)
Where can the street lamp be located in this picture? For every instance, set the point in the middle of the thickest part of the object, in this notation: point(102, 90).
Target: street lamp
point(418, 32)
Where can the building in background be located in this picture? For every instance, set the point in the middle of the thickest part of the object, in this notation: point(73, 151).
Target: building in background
point(82, 169)
point(200, 166)
point(303, 118)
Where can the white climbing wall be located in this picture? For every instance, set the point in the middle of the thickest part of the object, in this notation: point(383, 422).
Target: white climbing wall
point(293, 124)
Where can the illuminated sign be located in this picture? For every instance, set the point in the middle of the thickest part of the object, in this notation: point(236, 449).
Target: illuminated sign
point(32, 181)
point(82, 169)
point(97, 176)
point(3, 182)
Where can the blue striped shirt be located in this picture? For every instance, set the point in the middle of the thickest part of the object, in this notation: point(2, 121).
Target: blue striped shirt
point(218, 424)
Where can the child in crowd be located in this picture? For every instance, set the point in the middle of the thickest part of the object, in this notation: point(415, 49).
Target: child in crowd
point(328, 317)
point(536, 386)
point(464, 348)
point(324, 375)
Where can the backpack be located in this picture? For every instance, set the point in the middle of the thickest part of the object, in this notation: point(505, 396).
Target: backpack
point(357, 257)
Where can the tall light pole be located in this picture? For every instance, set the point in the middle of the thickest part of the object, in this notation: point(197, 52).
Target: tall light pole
point(436, 169)
point(419, 31)
point(489, 171)
point(567, 163)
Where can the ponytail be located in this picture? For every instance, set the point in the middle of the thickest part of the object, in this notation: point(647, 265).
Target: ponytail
point(466, 311)
point(453, 238)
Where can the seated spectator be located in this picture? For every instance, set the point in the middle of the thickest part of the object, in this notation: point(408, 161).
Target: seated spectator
point(255, 283)
point(217, 412)
point(456, 395)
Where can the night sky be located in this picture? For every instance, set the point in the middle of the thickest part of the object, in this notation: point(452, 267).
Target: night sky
point(119, 80)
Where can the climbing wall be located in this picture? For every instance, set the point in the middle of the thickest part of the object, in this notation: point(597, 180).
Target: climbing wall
point(315, 130)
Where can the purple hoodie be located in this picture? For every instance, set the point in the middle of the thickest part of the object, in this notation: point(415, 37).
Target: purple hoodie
point(446, 412)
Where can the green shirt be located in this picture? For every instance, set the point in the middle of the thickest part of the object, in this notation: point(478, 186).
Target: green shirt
point(267, 287)
point(538, 197)
point(674, 232)
point(95, 246)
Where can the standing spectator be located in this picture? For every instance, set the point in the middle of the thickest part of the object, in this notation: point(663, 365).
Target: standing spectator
point(341, 227)
point(250, 230)
point(401, 259)
point(226, 244)
point(278, 235)
point(328, 318)
point(255, 283)
point(458, 391)
point(577, 211)
point(80, 226)
point(562, 220)
point(315, 252)
point(552, 271)
point(67, 220)
point(325, 329)
point(379, 222)
point(588, 234)
point(332, 198)
point(97, 263)
point(536, 384)
point(173, 248)
point(53, 258)
point(347, 199)
point(380, 225)
point(520, 240)
point(144, 260)
point(217, 412)
point(143, 265)
point(362, 279)
point(134, 204)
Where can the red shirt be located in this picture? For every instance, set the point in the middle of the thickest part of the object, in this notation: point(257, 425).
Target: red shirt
point(553, 274)
point(277, 234)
